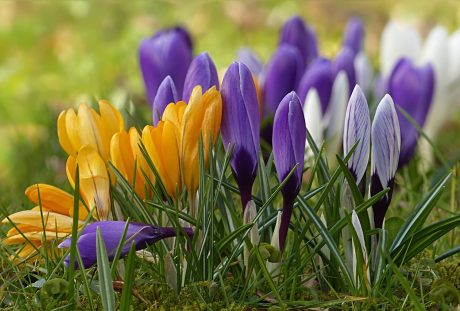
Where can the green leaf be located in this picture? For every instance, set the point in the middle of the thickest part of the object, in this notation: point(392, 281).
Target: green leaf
point(126, 293)
point(105, 275)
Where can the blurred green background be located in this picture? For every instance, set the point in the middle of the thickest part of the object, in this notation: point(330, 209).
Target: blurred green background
point(57, 54)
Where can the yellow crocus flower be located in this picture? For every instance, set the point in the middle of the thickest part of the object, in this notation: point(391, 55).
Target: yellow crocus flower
point(201, 117)
point(173, 143)
point(53, 216)
point(87, 127)
point(55, 213)
point(126, 155)
point(94, 180)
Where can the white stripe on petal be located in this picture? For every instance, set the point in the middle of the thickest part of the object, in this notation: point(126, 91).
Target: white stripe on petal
point(357, 128)
point(386, 141)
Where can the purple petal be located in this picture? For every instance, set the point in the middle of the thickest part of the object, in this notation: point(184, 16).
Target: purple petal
point(296, 33)
point(282, 76)
point(202, 71)
point(240, 125)
point(345, 61)
point(169, 52)
point(412, 89)
point(354, 35)
point(112, 231)
point(320, 76)
point(386, 143)
point(251, 60)
point(166, 94)
point(357, 128)
point(289, 135)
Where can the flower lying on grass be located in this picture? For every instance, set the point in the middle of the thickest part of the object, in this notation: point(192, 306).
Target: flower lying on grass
point(112, 232)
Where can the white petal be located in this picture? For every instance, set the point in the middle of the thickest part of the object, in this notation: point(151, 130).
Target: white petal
point(398, 40)
point(386, 141)
point(363, 71)
point(313, 116)
point(335, 115)
point(454, 56)
point(357, 128)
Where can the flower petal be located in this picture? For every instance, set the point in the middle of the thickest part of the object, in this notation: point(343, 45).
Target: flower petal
point(202, 72)
point(166, 94)
point(357, 130)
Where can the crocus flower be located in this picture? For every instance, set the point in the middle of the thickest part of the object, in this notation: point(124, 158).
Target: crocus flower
point(112, 231)
point(319, 76)
point(353, 37)
point(167, 93)
point(55, 207)
point(289, 134)
point(357, 130)
point(296, 33)
point(87, 127)
point(344, 61)
point(94, 180)
point(240, 126)
point(162, 145)
point(128, 159)
point(282, 76)
point(167, 53)
point(252, 61)
point(202, 72)
point(411, 89)
point(202, 117)
point(386, 143)
point(173, 144)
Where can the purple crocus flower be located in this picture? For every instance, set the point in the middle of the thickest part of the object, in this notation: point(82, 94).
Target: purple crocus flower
point(112, 231)
point(320, 75)
point(386, 143)
point(412, 89)
point(166, 94)
point(282, 76)
point(289, 135)
point(202, 71)
point(345, 61)
point(296, 33)
point(353, 37)
point(251, 60)
point(240, 126)
point(357, 130)
point(168, 52)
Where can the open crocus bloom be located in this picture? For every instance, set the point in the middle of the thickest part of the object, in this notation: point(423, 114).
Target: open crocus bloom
point(87, 127)
point(55, 207)
point(55, 213)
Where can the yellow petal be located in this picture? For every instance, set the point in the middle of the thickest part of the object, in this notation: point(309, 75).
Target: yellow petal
point(63, 137)
point(141, 164)
point(89, 126)
point(151, 138)
point(51, 198)
point(27, 251)
point(34, 236)
point(22, 228)
point(170, 157)
point(120, 156)
point(52, 221)
point(111, 117)
point(94, 181)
